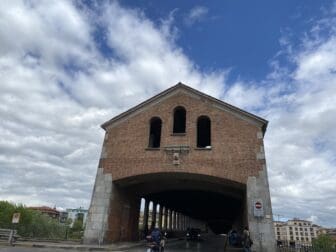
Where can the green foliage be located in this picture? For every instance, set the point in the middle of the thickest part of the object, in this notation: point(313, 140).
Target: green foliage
point(77, 225)
point(323, 243)
point(76, 232)
point(32, 223)
point(6, 213)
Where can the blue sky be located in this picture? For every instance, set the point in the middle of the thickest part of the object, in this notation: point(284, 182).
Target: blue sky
point(239, 35)
point(68, 66)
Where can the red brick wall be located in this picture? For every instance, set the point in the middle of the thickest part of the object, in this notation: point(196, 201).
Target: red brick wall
point(234, 143)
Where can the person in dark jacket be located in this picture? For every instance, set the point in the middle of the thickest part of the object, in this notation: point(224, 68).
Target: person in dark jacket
point(247, 241)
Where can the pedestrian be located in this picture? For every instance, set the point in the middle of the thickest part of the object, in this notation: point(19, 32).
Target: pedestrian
point(247, 241)
point(233, 236)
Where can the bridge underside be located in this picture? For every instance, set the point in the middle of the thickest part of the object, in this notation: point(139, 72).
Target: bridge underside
point(218, 203)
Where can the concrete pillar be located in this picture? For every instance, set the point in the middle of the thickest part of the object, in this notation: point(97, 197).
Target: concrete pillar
point(160, 217)
point(165, 218)
point(175, 221)
point(123, 216)
point(145, 218)
point(182, 222)
point(261, 228)
point(182, 225)
point(178, 221)
point(170, 219)
point(96, 224)
point(154, 214)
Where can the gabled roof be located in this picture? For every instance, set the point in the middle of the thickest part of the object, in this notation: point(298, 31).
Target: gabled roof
point(181, 86)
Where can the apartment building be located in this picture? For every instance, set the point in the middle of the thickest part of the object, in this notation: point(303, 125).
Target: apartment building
point(295, 231)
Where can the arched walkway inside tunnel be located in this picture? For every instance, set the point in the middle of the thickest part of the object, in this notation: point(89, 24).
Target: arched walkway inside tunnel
point(177, 201)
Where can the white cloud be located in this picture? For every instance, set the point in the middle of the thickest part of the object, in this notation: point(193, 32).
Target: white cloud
point(196, 14)
point(57, 86)
point(300, 140)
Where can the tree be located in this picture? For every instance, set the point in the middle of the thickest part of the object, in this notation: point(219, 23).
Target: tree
point(323, 243)
point(32, 223)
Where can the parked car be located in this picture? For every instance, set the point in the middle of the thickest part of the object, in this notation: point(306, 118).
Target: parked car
point(193, 234)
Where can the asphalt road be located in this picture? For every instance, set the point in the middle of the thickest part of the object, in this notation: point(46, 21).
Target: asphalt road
point(209, 244)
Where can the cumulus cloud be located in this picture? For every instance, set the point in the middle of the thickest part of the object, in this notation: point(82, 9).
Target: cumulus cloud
point(64, 70)
point(300, 141)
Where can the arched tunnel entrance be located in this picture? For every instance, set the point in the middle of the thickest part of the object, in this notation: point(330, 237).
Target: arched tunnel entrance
point(218, 203)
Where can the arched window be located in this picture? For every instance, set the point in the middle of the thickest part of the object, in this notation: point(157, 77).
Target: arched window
point(203, 132)
point(155, 132)
point(179, 120)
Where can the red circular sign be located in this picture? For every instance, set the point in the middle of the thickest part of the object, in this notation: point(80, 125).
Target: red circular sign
point(258, 205)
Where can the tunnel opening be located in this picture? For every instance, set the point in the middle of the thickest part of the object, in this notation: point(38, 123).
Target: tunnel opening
point(219, 212)
point(217, 203)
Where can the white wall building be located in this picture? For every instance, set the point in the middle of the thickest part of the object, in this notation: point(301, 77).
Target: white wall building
point(295, 231)
point(77, 213)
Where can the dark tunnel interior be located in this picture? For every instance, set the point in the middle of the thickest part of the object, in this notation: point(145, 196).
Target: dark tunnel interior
point(217, 210)
point(219, 203)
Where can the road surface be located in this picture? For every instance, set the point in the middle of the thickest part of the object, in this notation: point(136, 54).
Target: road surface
point(209, 244)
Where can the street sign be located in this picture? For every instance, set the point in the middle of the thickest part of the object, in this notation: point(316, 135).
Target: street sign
point(258, 208)
point(16, 218)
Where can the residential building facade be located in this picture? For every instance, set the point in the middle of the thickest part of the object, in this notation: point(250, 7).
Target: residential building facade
point(76, 214)
point(295, 231)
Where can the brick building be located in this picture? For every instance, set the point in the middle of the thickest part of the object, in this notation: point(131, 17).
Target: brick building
point(195, 156)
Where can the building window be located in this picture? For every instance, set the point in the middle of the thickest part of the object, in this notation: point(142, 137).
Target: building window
point(203, 132)
point(155, 132)
point(179, 120)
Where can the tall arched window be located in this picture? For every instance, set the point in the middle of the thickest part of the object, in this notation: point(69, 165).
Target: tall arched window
point(203, 132)
point(155, 132)
point(179, 120)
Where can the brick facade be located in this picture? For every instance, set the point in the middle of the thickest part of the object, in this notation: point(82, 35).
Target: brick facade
point(235, 143)
point(236, 156)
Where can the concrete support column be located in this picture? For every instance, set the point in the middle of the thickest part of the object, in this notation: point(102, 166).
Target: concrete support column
point(183, 222)
point(145, 217)
point(178, 221)
point(165, 218)
point(170, 220)
point(123, 216)
point(96, 223)
point(261, 227)
point(160, 217)
point(154, 214)
point(175, 220)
